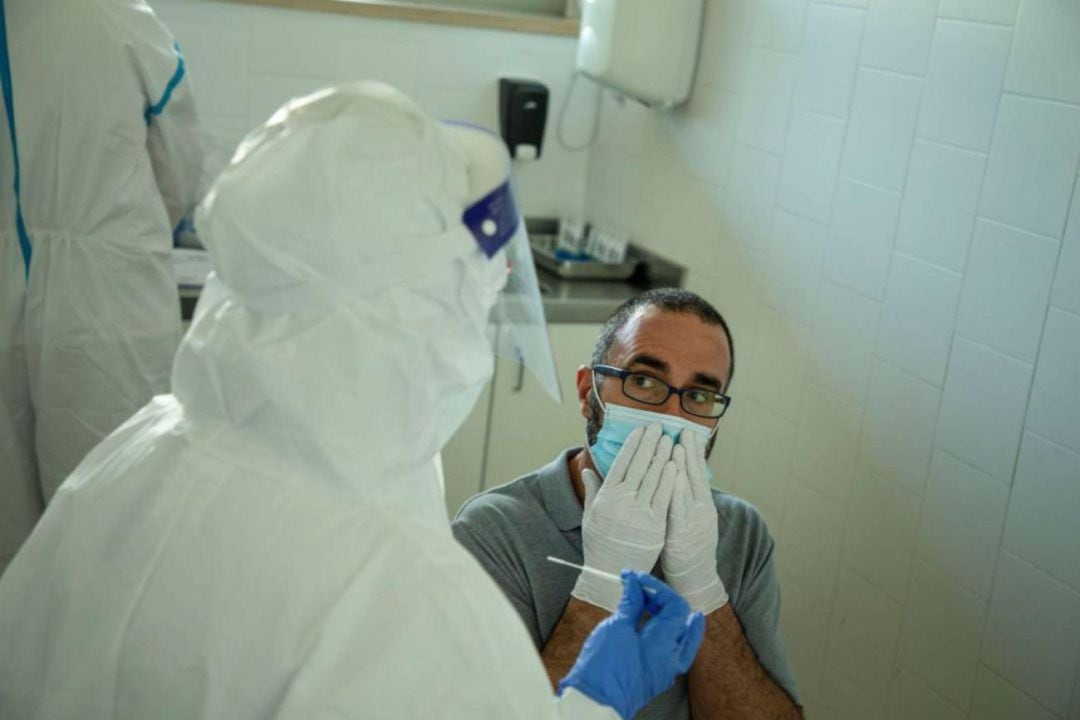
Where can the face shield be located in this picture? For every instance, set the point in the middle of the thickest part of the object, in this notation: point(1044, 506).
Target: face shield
point(516, 325)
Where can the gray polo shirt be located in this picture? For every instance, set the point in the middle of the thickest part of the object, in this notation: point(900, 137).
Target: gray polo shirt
point(512, 529)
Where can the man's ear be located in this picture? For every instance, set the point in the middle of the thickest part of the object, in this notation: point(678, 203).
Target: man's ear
point(584, 387)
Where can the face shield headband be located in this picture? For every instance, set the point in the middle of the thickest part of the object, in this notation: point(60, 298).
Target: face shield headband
point(517, 327)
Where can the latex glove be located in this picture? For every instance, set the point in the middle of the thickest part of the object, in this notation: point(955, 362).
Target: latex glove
point(693, 531)
point(625, 667)
point(626, 516)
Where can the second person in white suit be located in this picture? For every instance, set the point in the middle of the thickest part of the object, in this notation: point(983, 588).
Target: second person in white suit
point(99, 159)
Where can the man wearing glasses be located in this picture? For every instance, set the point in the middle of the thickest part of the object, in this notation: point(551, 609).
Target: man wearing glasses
point(639, 496)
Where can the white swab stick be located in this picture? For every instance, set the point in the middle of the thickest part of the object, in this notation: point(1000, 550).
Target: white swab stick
point(594, 571)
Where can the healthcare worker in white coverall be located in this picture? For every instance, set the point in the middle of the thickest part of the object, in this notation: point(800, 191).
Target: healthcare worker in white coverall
point(99, 159)
point(269, 541)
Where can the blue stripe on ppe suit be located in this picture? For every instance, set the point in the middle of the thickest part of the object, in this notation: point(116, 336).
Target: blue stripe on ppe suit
point(5, 80)
point(159, 107)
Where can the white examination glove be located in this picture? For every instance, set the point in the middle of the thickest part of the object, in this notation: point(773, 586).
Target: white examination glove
point(625, 517)
point(693, 531)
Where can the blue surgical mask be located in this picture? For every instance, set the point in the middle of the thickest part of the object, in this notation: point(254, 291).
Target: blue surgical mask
point(620, 421)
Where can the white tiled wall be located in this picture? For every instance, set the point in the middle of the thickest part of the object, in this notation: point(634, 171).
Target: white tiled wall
point(246, 60)
point(882, 197)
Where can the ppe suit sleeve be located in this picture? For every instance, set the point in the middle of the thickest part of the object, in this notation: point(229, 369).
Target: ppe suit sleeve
point(574, 705)
point(421, 631)
point(172, 129)
point(175, 151)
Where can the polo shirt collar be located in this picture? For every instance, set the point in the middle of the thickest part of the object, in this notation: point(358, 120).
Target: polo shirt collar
point(558, 492)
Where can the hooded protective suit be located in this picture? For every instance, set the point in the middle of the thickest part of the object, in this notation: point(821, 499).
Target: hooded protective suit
point(270, 540)
point(98, 161)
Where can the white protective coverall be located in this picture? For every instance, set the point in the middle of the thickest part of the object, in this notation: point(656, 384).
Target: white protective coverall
point(270, 541)
point(105, 132)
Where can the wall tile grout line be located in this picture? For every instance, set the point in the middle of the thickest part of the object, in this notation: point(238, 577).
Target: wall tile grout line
point(1025, 231)
point(928, 263)
point(1008, 501)
point(908, 587)
point(994, 351)
point(1064, 311)
point(1074, 704)
point(1040, 98)
point(950, 145)
point(961, 461)
point(1028, 696)
point(841, 564)
point(873, 186)
point(972, 21)
point(773, 208)
point(1002, 550)
point(889, 71)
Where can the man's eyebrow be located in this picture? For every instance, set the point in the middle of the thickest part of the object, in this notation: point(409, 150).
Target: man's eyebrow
point(655, 363)
point(650, 361)
point(708, 380)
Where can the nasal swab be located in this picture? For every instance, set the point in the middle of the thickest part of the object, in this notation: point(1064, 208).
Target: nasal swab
point(594, 571)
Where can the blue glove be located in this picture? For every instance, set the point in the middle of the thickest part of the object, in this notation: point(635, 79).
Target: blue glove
point(625, 667)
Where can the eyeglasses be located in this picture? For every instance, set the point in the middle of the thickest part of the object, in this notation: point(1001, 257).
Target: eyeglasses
point(651, 390)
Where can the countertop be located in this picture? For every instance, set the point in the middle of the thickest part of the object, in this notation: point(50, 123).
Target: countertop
point(582, 301)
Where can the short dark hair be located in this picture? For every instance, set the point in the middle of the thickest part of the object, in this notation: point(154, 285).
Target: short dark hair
point(673, 300)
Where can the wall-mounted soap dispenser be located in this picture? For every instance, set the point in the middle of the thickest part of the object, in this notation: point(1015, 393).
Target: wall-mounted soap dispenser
point(646, 49)
point(522, 115)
